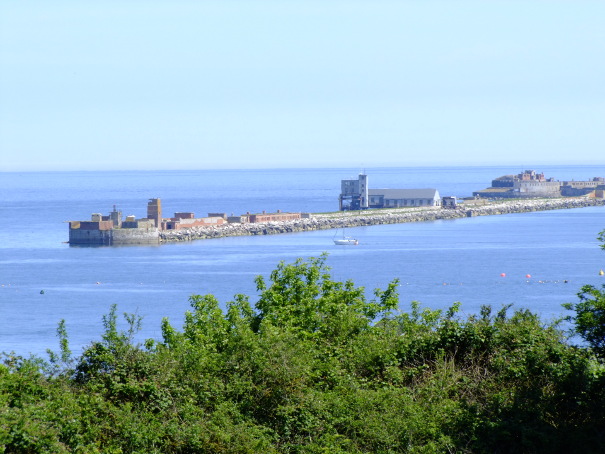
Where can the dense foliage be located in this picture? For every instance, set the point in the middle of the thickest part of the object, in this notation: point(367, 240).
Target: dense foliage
point(313, 367)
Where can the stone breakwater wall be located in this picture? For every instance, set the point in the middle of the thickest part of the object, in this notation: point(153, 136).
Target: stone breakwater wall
point(376, 217)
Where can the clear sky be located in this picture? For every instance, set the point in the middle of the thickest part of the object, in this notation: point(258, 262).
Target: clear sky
point(94, 85)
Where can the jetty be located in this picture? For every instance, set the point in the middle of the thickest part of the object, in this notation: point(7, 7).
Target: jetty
point(344, 219)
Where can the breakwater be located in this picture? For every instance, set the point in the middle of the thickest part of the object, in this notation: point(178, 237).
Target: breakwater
point(325, 221)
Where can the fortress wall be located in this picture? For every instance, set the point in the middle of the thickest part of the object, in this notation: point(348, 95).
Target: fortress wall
point(582, 184)
point(538, 187)
point(135, 236)
point(185, 223)
point(113, 237)
point(89, 237)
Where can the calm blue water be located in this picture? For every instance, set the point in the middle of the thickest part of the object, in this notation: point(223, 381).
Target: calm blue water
point(437, 263)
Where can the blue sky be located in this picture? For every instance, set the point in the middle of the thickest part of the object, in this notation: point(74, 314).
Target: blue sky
point(263, 84)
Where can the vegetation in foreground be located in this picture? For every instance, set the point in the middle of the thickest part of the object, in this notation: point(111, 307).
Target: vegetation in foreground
point(314, 367)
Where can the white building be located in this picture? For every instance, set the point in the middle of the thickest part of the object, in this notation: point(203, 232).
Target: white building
point(396, 198)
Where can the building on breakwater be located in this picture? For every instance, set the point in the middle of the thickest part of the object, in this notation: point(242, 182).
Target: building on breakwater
point(112, 229)
point(399, 198)
point(449, 202)
point(356, 195)
point(532, 184)
point(265, 217)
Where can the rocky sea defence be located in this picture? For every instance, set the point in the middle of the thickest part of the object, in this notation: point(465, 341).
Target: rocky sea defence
point(325, 221)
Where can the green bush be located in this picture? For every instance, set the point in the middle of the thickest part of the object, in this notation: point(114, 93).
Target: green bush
point(312, 367)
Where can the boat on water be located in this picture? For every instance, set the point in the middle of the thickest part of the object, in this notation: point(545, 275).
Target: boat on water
point(345, 241)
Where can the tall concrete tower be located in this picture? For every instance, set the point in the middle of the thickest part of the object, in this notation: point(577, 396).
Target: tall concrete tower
point(116, 217)
point(363, 191)
point(354, 193)
point(154, 211)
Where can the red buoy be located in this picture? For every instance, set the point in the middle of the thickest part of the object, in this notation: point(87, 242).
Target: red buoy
point(528, 276)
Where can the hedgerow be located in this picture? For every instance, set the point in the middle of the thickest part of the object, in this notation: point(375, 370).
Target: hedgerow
point(314, 366)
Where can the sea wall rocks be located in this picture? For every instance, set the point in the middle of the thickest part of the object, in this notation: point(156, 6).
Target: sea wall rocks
point(326, 221)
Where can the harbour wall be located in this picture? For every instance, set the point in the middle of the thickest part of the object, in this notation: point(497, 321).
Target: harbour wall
point(135, 236)
point(114, 237)
point(89, 237)
point(327, 221)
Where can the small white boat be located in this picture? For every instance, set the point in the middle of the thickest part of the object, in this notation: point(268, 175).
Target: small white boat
point(345, 240)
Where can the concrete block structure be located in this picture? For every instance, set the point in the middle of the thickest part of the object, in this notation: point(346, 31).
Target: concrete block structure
point(241, 219)
point(90, 232)
point(354, 194)
point(449, 202)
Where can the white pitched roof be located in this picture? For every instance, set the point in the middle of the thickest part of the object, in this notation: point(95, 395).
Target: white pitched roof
point(405, 193)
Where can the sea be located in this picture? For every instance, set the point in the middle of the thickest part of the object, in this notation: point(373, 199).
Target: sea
point(535, 261)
